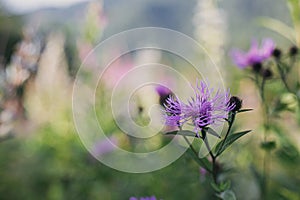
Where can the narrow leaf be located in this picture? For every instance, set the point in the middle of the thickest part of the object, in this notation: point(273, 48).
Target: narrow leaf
point(245, 110)
point(225, 185)
point(183, 132)
point(279, 27)
point(227, 195)
point(230, 139)
point(213, 132)
point(268, 145)
point(202, 162)
point(216, 187)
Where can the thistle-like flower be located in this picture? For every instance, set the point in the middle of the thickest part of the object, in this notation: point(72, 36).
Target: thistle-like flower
point(254, 55)
point(207, 108)
point(203, 110)
point(173, 111)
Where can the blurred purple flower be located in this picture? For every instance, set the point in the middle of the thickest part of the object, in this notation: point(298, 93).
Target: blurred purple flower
point(205, 109)
point(203, 172)
point(163, 93)
point(105, 146)
point(254, 55)
point(161, 90)
point(143, 198)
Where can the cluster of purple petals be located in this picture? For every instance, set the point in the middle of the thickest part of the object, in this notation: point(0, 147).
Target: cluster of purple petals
point(255, 54)
point(204, 109)
point(173, 110)
point(162, 91)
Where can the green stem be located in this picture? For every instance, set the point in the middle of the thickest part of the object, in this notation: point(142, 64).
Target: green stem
point(265, 109)
point(282, 76)
point(213, 158)
point(262, 89)
point(230, 123)
point(264, 193)
point(196, 154)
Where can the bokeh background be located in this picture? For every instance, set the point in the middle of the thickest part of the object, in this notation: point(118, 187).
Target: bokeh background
point(42, 45)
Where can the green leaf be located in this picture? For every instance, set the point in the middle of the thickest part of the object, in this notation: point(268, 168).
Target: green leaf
point(212, 132)
point(279, 27)
point(182, 132)
point(288, 155)
point(227, 195)
point(245, 110)
point(223, 186)
point(202, 162)
point(229, 140)
point(216, 187)
point(268, 145)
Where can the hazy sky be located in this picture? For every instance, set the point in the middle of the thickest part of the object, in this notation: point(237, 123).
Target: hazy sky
point(21, 6)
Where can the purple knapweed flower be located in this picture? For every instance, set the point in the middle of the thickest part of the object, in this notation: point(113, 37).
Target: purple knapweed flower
point(254, 55)
point(205, 109)
point(143, 198)
point(173, 111)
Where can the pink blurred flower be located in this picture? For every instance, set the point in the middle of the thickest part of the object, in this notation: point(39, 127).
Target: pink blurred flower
point(254, 55)
point(203, 172)
point(143, 198)
point(116, 71)
point(105, 146)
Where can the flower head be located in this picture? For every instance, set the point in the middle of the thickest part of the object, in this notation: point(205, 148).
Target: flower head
point(173, 111)
point(207, 108)
point(254, 55)
point(204, 109)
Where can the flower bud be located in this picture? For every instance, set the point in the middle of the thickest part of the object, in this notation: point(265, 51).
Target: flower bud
point(234, 100)
point(293, 51)
point(267, 73)
point(257, 67)
point(276, 53)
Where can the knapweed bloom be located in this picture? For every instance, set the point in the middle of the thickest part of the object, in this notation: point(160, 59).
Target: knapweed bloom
point(143, 198)
point(173, 111)
point(204, 109)
point(207, 107)
point(254, 55)
point(163, 93)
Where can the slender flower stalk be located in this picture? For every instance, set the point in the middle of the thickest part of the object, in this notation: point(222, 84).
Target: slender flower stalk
point(256, 58)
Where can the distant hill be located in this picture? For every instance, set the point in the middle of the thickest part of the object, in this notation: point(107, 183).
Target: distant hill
point(122, 15)
point(174, 14)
